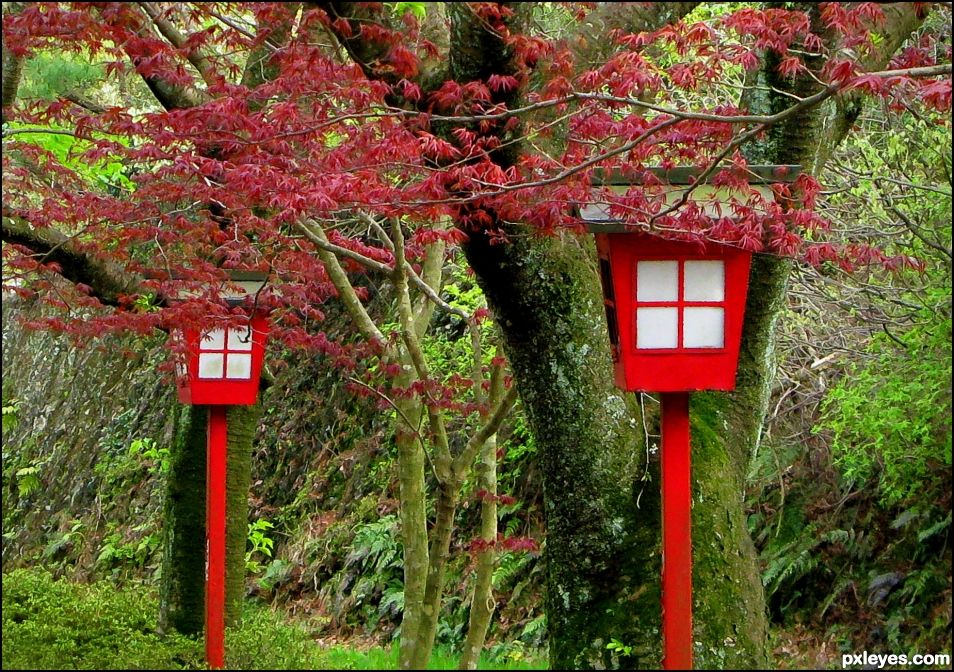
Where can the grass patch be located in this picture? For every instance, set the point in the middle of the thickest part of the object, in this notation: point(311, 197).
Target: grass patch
point(55, 624)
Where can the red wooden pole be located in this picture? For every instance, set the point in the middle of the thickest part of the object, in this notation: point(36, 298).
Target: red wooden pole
point(676, 531)
point(215, 538)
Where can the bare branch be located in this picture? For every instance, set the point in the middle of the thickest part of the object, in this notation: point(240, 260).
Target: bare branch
point(169, 31)
point(339, 279)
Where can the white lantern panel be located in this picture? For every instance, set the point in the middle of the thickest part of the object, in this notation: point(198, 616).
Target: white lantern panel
point(239, 367)
point(211, 365)
point(703, 328)
point(214, 340)
point(704, 281)
point(240, 339)
point(657, 281)
point(657, 328)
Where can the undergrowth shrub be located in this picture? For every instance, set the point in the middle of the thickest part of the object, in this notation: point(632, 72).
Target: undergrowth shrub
point(56, 624)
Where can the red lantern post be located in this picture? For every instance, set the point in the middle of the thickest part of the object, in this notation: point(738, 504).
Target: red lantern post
point(674, 311)
point(222, 368)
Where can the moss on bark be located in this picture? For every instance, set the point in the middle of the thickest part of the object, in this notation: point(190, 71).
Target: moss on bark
point(182, 604)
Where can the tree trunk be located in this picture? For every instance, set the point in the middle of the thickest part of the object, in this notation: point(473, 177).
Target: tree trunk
point(482, 600)
point(413, 524)
point(182, 589)
point(242, 424)
point(601, 554)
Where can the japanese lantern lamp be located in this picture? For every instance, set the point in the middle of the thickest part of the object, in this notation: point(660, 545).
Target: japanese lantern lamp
point(674, 311)
point(221, 367)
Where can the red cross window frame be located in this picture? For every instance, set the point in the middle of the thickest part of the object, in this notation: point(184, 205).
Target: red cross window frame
point(236, 346)
point(702, 309)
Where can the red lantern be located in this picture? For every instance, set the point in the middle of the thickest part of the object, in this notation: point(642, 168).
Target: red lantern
point(223, 366)
point(674, 311)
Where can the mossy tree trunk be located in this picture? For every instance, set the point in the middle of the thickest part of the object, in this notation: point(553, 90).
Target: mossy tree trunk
point(182, 590)
point(602, 559)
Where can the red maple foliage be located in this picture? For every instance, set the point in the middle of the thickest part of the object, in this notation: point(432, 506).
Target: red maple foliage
point(230, 171)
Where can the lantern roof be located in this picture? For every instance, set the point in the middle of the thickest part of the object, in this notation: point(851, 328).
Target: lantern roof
point(761, 174)
point(673, 183)
point(234, 289)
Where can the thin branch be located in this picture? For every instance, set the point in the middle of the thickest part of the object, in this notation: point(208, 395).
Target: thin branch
point(466, 457)
point(339, 279)
point(166, 28)
point(412, 344)
point(327, 245)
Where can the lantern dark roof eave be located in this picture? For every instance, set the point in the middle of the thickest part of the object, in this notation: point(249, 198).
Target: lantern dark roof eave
point(686, 175)
point(680, 176)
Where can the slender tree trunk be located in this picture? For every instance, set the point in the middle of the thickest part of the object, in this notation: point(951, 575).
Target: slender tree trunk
point(413, 525)
point(446, 509)
point(482, 601)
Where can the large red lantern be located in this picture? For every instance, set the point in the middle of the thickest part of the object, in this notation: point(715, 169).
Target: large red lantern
point(674, 311)
point(679, 326)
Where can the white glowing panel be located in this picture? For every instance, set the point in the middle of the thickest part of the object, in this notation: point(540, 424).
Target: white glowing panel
point(240, 339)
point(214, 340)
point(657, 281)
point(657, 328)
point(239, 367)
point(704, 281)
point(703, 328)
point(211, 365)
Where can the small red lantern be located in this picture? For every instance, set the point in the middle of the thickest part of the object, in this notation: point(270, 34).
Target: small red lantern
point(222, 367)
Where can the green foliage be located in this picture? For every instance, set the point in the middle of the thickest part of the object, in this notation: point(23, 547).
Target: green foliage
point(377, 658)
point(52, 625)
point(48, 75)
point(28, 480)
point(618, 647)
point(69, 152)
point(418, 9)
point(119, 554)
point(11, 410)
point(158, 459)
point(258, 542)
point(890, 416)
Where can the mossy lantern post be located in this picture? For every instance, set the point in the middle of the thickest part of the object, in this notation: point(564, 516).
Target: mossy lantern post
point(221, 367)
point(674, 311)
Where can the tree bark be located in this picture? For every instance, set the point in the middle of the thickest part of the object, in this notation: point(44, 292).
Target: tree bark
point(482, 600)
point(182, 589)
point(600, 548)
point(242, 425)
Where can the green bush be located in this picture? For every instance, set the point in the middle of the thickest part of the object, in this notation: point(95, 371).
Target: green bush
point(890, 417)
point(54, 624)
